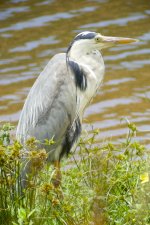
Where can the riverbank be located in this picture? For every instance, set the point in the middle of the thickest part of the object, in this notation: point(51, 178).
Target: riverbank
point(107, 184)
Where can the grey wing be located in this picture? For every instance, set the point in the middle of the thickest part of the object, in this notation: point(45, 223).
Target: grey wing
point(50, 107)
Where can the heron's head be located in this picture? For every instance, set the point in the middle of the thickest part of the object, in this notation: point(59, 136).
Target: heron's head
point(87, 41)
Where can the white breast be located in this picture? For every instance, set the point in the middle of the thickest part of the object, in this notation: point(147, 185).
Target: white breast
point(93, 66)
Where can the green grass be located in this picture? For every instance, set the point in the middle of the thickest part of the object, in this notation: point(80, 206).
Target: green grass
point(108, 184)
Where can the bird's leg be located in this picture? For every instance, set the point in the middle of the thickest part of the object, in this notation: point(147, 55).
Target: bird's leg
point(57, 178)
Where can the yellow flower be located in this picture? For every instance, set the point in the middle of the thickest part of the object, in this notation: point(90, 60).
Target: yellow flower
point(144, 178)
point(46, 188)
point(55, 202)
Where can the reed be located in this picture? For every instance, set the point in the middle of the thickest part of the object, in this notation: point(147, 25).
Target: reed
point(107, 184)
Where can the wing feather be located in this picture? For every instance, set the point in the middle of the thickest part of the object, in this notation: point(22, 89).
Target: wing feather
point(51, 105)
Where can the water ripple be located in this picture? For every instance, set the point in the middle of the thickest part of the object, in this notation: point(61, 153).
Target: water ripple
point(100, 107)
point(15, 79)
point(17, 68)
point(119, 81)
point(14, 59)
point(135, 64)
point(10, 12)
point(28, 46)
point(44, 2)
point(37, 22)
point(126, 54)
point(145, 37)
point(120, 22)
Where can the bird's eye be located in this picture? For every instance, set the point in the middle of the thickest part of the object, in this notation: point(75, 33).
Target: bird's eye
point(97, 39)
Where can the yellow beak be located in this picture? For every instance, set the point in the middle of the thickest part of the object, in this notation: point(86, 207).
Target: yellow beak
point(118, 40)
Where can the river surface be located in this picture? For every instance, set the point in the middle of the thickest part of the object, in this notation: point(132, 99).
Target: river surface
point(31, 32)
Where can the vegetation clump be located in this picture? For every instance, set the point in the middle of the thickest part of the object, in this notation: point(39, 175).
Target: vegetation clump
point(108, 184)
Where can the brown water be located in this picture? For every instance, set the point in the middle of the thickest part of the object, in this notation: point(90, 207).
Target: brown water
point(31, 32)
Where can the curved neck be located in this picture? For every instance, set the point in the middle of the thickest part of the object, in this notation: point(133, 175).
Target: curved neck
point(76, 53)
point(92, 60)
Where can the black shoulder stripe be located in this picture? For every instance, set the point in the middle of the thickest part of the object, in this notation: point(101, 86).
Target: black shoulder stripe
point(71, 137)
point(80, 77)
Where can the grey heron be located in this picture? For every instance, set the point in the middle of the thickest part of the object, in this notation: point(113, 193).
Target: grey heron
point(55, 104)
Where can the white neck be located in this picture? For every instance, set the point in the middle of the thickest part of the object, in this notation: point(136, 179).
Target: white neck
point(89, 58)
point(80, 48)
point(93, 65)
